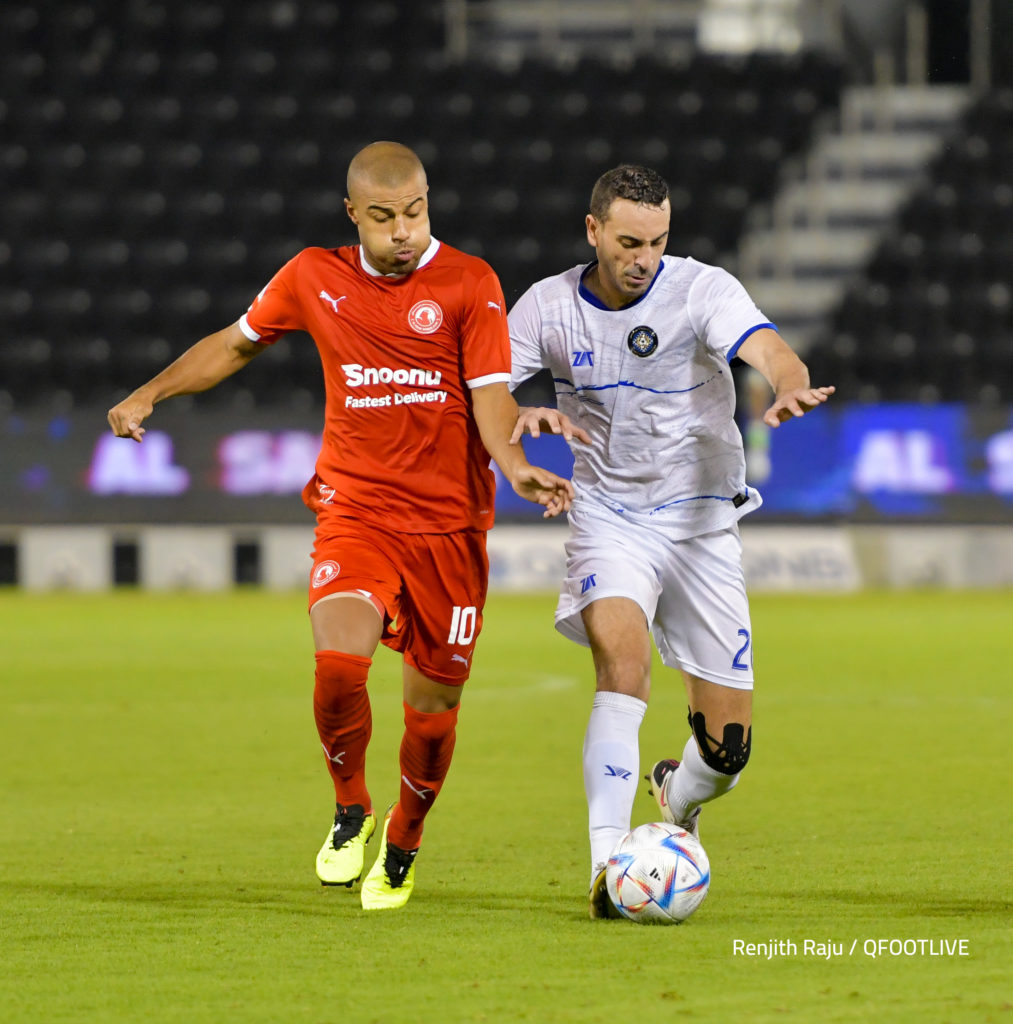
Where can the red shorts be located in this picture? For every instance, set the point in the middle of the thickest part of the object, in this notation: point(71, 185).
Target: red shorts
point(431, 586)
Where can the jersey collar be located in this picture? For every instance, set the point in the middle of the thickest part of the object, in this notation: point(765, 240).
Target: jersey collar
point(589, 296)
point(426, 257)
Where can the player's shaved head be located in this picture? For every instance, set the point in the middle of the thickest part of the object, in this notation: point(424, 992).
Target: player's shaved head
point(383, 164)
point(388, 203)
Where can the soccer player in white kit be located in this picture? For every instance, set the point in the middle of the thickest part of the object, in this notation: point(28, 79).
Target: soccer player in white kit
point(638, 344)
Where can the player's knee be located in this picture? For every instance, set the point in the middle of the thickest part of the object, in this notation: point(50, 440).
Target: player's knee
point(627, 676)
point(730, 754)
point(339, 674)
point(432, 726)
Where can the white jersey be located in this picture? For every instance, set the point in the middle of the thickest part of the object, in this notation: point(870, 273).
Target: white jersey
point(651, 385)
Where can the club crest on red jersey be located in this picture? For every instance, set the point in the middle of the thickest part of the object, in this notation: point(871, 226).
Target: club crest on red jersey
point(324, 573)
point(425, 317)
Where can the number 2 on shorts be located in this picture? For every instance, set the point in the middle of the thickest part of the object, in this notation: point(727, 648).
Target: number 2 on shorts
point(741, 653)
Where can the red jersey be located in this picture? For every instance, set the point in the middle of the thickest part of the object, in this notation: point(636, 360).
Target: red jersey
point(400, 445)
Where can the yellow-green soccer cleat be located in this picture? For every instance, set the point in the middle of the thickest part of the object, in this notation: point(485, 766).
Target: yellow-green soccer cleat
point(600, 905)
point(391, 879)
point(340, 859)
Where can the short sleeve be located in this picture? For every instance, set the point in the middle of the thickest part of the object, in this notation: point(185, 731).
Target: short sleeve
point(485, 342)
point(721, 312)
point(525, 323)
point(275, 311)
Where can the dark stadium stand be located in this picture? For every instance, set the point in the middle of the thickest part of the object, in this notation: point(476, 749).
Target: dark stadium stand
point(160, 160)
point(931, 318)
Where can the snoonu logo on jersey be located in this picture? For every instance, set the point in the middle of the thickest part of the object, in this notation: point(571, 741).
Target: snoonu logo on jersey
point(357, 375)
point(425, 317)
point(642, 341)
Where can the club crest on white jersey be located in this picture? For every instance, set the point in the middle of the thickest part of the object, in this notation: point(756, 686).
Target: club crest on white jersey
point(425, 316)
point(642, 341)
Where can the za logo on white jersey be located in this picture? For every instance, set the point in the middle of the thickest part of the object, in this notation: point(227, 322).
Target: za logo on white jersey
point(333, 302)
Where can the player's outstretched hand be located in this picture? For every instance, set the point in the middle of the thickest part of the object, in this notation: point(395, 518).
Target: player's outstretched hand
point(533, 421)
point(127, 417)
point(796, 403)
point(544, 488)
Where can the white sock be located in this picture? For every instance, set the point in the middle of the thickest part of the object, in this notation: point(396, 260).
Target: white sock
point(611, 770)
point(694, 783)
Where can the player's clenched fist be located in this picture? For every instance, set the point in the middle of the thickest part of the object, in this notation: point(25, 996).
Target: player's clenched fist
point(544, 488)
point(127, 417)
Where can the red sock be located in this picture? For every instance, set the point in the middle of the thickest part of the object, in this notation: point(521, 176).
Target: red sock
point(426, 751)
point(344, 722)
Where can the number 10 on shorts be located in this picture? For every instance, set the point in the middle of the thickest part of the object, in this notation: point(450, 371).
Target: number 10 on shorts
point(462, 625)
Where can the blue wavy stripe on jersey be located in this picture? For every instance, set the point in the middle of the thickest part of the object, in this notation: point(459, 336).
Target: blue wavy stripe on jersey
point(631, 384)
point(696, 497)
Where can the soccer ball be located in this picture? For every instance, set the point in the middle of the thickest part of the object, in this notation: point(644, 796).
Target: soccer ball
point(658, 874)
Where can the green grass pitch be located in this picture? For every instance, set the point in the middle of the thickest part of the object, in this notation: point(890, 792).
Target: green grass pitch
point(164, 796)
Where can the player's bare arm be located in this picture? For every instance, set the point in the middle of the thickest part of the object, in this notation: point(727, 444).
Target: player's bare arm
point(765, 350)
point(495, 414)
point(200, 367)
point(534, 419)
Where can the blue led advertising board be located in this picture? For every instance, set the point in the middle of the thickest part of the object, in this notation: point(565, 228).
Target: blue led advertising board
point(845, 462)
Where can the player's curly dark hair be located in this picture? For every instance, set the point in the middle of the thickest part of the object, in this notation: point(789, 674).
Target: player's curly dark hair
point(627, 181)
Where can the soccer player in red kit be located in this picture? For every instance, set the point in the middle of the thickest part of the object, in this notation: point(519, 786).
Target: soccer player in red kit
point(415, 350)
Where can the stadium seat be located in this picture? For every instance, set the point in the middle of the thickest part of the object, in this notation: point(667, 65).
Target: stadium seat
point(22, 210)
point(21, 74)
point(24, 363)
point(136, 213)
point(18, 167)
point(210, 114)
point(81, 366)
point(258, 209)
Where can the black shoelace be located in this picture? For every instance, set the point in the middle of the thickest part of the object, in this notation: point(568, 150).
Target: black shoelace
point(347, 824)
point(397, 864)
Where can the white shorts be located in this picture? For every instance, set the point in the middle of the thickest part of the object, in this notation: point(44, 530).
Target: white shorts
point(692, 592)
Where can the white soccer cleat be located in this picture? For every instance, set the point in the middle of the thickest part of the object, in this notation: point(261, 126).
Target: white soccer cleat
point(658, 781)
